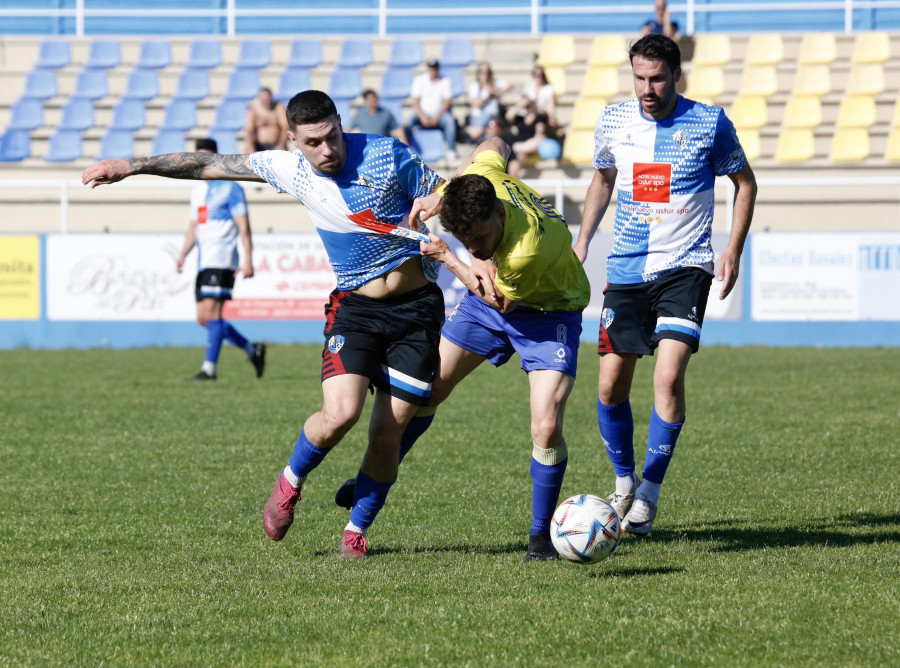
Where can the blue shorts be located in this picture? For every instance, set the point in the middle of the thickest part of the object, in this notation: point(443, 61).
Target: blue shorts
point(543, 339)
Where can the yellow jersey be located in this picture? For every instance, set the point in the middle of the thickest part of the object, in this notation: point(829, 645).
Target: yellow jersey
point(536, 265)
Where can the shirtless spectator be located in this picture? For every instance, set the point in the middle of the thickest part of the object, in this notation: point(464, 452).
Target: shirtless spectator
point(266, 125)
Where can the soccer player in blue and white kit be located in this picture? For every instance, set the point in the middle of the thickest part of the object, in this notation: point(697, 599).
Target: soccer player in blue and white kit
point(218, 219)
point(384, 318)
point(666, 151)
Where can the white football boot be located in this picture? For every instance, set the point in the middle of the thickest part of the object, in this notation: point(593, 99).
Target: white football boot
point(639, 519)
point(621, 502)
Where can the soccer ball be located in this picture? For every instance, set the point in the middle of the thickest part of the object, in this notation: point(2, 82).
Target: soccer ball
point(585, 529)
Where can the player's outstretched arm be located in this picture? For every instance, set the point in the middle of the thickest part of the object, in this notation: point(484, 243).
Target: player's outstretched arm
point(202, 166)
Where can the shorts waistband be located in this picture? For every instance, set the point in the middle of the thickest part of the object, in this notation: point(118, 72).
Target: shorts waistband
point(395, 300)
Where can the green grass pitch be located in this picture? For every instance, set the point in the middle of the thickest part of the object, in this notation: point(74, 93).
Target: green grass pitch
point(131, 531)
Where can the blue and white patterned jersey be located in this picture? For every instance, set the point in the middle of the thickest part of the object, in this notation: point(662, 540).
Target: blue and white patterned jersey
point(214, 205)
point(666, 171)
point(377, 185)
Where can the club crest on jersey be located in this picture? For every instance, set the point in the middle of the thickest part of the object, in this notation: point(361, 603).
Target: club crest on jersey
point(335, 343)
point(680, 139)
point(607, 315)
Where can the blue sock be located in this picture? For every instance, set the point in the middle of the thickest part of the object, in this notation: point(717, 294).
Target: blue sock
point(546, 481)
point(214, 335)
point(416, 427)
point(306, 456)
point(233, 336)
point(370, 498)
point(660, 447)
point(617, 431)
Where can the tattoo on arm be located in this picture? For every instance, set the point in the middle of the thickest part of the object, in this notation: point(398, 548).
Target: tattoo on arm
point(193, 165)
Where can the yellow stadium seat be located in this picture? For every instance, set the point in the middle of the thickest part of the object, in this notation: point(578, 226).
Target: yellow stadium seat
point(849, 145)
point(711, 49)
point(578, 148)
point(817, 48)
point(600, 81)
point(557, 77)
point(892, 152)
point(556, 51)
point(802, 112)
point(750, 143)
point(856, 111)
point(865, 80)
point(585, 113)
point(795, 145)
point(812, 80)
point(705, 83)
point(765, 49)
point(749, 112)
point(759, 80)
point(871, 47)
point(608, 50)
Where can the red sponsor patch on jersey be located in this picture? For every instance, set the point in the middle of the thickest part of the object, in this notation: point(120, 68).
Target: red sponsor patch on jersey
point(652, 181)
point(201, 214)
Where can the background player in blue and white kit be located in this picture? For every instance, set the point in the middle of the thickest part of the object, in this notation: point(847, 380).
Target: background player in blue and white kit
point(666, 151)
point(218, 220)
point(382, 321)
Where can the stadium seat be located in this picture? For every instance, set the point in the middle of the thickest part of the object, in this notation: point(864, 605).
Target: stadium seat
point(128, 114)
point(585, 113)
point(871, 47)
point(802, 112)
point(291, 82)
point(355, 53)
point(711, 49)
point(892, 150)
point(26, 114)
point(556, 51)
point(405, 53)
point(849, 145)
point(600, 81)
point(254, 54)
point(345, 111)
point(428, 143)
point(191, 85)
point(609, 50)
point(204, 54)
point(396, 84)
point(759, 80)
point(812, 80)
point(578, 147)
point(749, 139)
point(394, 106)
point(64, 146)
point(345, 84)
point(856, 111)
point(90, 85)
point(141, 85)
point(116, 144)
point(795, 145)
point(103, 54)
point(865, 80)
point(154, 54)
point(179, 115)
point(764, 49)
point(230, 115)
point(817, 48)
point(40, 85)
point(15, 146)
point(749, 112)
point(226, 141)
point(54, 53)
point(705, 83)
point(556, 76)
point(243, 84)
point(77, 114)
point(304, 54)
point(457, 79)
point(457, 52)
point(168, 141)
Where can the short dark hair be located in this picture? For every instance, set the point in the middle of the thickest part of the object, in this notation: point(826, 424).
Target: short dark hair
point(309, 106)
point(368, 91)
point(207, 144)
point(657, 47)
point(468, 199)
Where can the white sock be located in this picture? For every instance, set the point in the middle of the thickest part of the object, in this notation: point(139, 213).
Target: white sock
point(650, 491)
point(355, 529)
point(625, 485)
point(292, 477)
point(209, 368)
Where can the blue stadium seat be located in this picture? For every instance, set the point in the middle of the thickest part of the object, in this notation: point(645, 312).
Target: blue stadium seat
point(191, 85)
point(40, 85)
point(226, 141)
point(77, 114)
point(305, 53)
point(103, 54)
point(345, 84)
point(64, 146)
point(355, 53)
point(243, 84)
point(405, 53)
point(291, 82)
point(128, 115)
point(457, 79)
point(393, 106)
point(396, 84)
point(204, 54)
point(26, 114)
point(90, 85)
point(141, 85)
point(54, 53)
point(168, 141)
point(15, 146)
point(428, 143)
point(179, 115)
point(116, 144)
point(457, 52)
point(230, 115)
point(154, 54)
point(254, 54)
point(345, 111)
